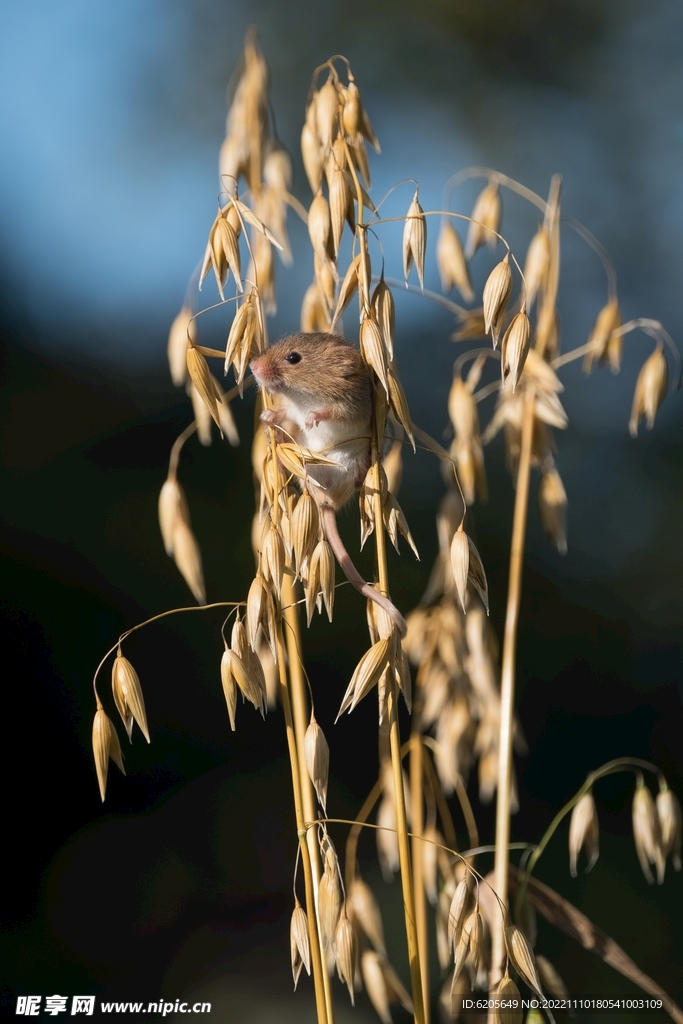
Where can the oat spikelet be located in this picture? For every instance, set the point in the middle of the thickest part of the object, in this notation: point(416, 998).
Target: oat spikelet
point(229, 687)
point(317, 755)
point(304, 529)
point(608, 320)
point(450, 258)
point(310, 151)
point(536, 265)
point(650, 390)
point(329, 903)
point(314, 311)
point(382, 304)
point(105, 745)
point(257, 609)
point(460, 563)
point(345, 952)
point(456, 913)
point(182, 327)
point(273, 558)
point(670, 824)
point(320, 225)
point(522, 957)
point(550, 978)
point(299, 943)
point(584, 830)
point(486, 215)
point(241, 338)
point(365, 912)
point(373, 349)
point(128, 698)
point(496, 294)
point(515, 348)
point(552, 508)
point(415, 240)
point(322, 570)
point(399, 404)
point(200, 375)
point(366, 674)
point(172, 506)
point(646, 832)
point(188, 558)
point(510, 1009)
point(375, 985)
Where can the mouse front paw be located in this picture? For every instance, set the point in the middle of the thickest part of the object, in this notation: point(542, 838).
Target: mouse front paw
point(315, 418)
point(271, 416)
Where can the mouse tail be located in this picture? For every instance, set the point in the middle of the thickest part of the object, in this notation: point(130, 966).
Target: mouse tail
point(353, 576)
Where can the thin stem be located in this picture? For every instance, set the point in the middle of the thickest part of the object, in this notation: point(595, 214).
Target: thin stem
point(417, 809)
point(177, 448)
point(507, 689)
point(311, 913)
point(155, 618)
point(300, 709)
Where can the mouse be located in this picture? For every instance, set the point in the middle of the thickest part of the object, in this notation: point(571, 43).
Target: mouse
point(324, 400)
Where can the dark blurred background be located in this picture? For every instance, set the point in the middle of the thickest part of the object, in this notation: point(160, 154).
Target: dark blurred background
point(112, 115)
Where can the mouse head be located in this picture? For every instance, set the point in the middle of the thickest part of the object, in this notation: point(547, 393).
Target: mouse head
point(313, 365)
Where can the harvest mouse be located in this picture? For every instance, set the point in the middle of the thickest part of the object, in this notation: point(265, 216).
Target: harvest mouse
point(323, 392)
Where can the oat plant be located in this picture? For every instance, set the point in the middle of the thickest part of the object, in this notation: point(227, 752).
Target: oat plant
point(462, 697)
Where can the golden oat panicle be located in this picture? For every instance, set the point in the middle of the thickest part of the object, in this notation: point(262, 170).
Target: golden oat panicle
point(552, 508)
point(650, 390)
point(670, 824)
point(510, 1009)
point(345, 952)
point(128, 698)
point(182, 327)
point(646, 832)
point(485, 223)
point(450, 258)
point(550, 978)
point(584, 830)
point(299, 943)
point(317, 757)
point(365, 912)
point(497, 291)
point(522, 958)
point(415, 240)
point(105, 745)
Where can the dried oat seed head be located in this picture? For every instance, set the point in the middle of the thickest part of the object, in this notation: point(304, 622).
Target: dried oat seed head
point(650, 390)
point(497, 291)
point(304, 529)
point(340, 197)
point(486, 215)
point(382, 305)
point(375, 984)
point(550, 978)
point(367, 674)
point(329, 904)
point(522, 957)
point(299, 942)
point(317, 756)
point(415, 240)
point(128, 698)
point(450, 258)
point(172, 506)
point(584, 830)
point(515, 348)
point(373, 349)
point(670, 825)
point(608, 320)
point(182, 327)
point(105, 745)
point(229, 687)
point(200, 375)
point(552, 508)
point(273, 558)
point(456, 913)
point(323, 568)
point(314, 311)
point(510, 1009)
point(365, 911)
point(646, 832)
point(536, 265)
point(349, 287)
point(188, 559)
point(345, 951)
point(310, 152)
point(326, 113)
point(460, 563)
point(319, 225)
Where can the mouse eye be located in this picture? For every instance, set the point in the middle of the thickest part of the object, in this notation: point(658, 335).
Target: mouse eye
point(292, 358)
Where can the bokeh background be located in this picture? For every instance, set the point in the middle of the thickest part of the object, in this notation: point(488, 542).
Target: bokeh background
point(112, 115)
